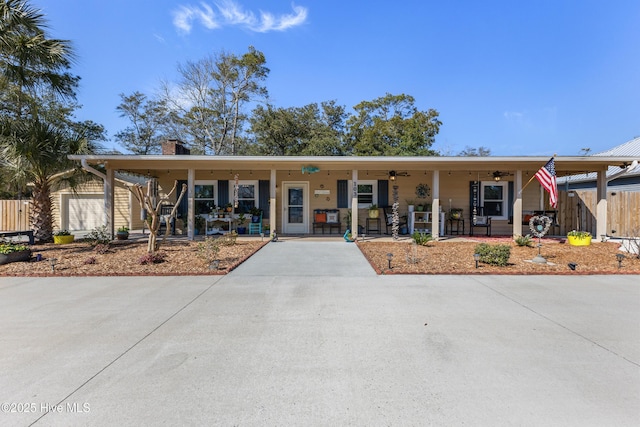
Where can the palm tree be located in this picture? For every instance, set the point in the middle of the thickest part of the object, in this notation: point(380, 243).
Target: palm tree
point(30, 61)
point(36, 153)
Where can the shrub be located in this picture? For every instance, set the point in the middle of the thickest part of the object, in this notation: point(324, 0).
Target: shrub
point(524, 240)
point(98, 235)
point(228, 239)
point(494, 254)
point(151, 258)
point(208, 249)
point(421, 238)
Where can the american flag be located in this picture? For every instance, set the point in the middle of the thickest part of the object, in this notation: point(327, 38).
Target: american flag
point(547, 178)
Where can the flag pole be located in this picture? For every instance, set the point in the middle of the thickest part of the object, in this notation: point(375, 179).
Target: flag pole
point(531, 179)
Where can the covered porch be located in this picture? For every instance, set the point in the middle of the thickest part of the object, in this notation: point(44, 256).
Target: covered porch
point(291, 191)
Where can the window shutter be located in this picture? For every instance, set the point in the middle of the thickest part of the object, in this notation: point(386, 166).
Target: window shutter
point(263, 194)
point(343, 193)
point(223, 193)
point(510, 201)
point(383, 193)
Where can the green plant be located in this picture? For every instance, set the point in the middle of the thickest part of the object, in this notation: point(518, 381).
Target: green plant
point(123, 229)
point(9, 247)
point(579, 234)
point(255, 211)
point(373, 207)
point(524, 240)
point(62, 233)
point(241, 219)
point(410, 202)
point(228, 239)
point(98, 235)
point(421, 238)
point(494, 254)
point(208, 249)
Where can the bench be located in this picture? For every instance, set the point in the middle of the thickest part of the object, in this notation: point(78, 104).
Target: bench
point(326, 218)
point(28, 233)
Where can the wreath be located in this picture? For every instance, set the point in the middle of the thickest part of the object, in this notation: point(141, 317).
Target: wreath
point(539, 225)
point(423, 191)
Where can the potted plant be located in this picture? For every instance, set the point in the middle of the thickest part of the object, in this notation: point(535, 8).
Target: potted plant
point(373, 211)
point(241, 221)
point(122, 233)
point(579, 238)
point(228, 207)
point(411, 205)
point(255, 214)
point(12, 252)
point(455, 213)
point(63, 237)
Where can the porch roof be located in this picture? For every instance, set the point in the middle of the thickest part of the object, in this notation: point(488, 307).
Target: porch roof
point(564, 165)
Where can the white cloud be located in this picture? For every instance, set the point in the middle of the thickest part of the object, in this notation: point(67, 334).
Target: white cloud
point(230, 13)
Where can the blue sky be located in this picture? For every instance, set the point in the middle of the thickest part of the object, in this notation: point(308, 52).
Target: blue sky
point(521, 78)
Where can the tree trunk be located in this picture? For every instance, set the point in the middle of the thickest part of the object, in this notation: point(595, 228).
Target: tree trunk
point(41, 217)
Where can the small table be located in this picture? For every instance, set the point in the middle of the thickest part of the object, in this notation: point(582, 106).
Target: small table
point(457, 222)
point(378, 224)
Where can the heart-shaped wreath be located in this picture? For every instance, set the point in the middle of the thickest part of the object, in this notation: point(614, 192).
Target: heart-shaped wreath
point(539, 225)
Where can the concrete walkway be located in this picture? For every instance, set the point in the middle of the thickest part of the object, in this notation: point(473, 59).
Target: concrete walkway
point(305, 334)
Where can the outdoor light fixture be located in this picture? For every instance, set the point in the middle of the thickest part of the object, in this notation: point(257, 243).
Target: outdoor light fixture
point(53, 262)
point(603, 238)
point(392, 175)
point(262, 237)
point(389, 258)
point(476, 258)
point(572, 265)
point(619, 257)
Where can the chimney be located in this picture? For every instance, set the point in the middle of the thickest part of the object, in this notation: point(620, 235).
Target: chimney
point(173, 147)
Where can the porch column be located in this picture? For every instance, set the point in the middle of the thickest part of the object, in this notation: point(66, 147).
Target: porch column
point(354, 203)
point(272, 202)
point(435, 206)
point(191, 203)
point(601, 209)
point(109, 201)
point(517, 204)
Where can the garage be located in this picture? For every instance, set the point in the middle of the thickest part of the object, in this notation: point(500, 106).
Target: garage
point(81, 212)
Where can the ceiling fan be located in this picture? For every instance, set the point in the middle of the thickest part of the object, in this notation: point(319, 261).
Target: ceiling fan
point(393, 174)
point(497, 175)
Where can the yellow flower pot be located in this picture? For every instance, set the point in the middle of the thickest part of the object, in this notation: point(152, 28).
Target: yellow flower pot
point(579, 241)
point(63, 240)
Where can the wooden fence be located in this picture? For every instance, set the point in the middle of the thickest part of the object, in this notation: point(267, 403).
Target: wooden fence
point(14, 215)
point(579, 212)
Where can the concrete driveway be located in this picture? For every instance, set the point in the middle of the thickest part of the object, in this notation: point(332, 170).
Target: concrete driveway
point(305, 333)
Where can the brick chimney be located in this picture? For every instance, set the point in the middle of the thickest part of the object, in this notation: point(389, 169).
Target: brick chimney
point(172, 147)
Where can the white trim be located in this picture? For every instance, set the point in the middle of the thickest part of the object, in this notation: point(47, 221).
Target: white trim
point(504, 201)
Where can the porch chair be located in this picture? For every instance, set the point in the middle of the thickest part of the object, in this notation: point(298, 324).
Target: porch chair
point(479, 220)
point(255, 227)
point(388, 219)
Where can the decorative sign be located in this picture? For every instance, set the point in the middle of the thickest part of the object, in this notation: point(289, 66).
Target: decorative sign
point(321, 191)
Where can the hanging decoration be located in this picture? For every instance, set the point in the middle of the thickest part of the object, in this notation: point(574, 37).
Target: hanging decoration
point(423, 191)
point(395, 218)
point(235, 192)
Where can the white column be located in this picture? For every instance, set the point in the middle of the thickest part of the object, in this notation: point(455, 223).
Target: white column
point(517, 204)
point(354, 203)
point(601, 209)
point(435, 206)
point(191, 203)
point(109, 200)
point(272, 202)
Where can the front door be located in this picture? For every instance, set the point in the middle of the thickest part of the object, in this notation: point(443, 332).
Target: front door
point(295, 208)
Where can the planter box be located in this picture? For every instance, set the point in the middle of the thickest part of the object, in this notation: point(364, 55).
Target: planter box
point(579, 241)
point(63, 240)
point(15, 256)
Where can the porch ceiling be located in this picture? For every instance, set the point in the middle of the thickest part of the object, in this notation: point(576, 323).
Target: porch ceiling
point(564, 165)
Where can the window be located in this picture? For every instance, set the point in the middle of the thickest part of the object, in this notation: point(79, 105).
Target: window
point(205, 200)
point(494, 199)
point(247, 195)
point(367, 194)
